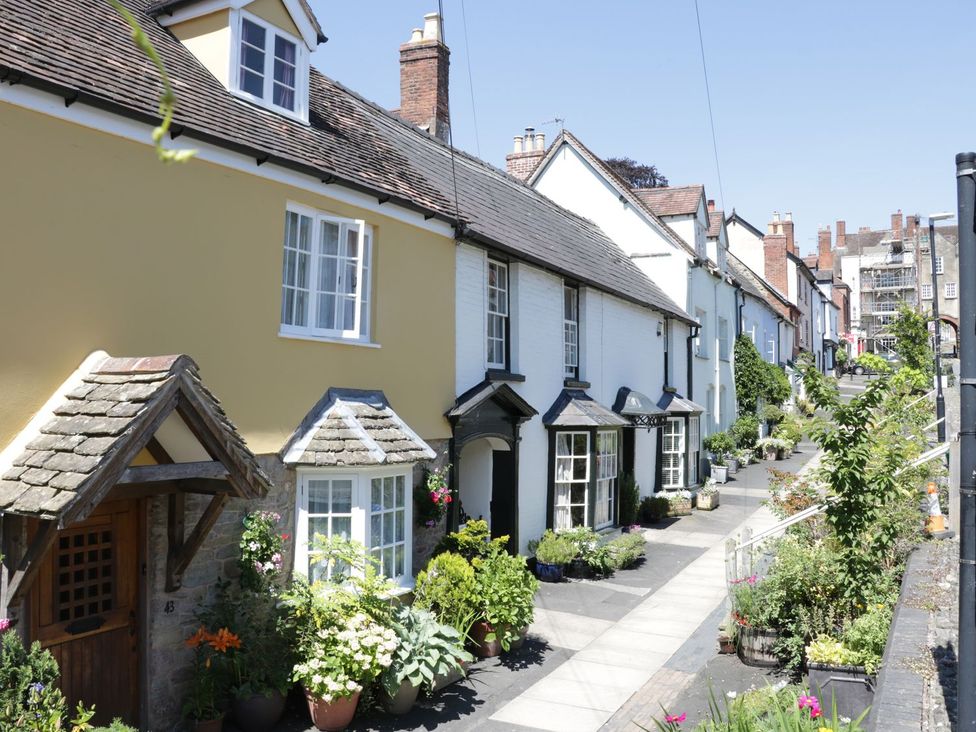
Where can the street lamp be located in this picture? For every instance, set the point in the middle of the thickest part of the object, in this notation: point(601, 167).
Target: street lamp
point(939, 399)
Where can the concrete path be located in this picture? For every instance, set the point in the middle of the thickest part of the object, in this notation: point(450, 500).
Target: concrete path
point(613, 660)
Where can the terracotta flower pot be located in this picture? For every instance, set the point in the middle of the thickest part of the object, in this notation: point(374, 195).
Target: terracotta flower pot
point(332, 716)
point(260, 712)
point(482, 647)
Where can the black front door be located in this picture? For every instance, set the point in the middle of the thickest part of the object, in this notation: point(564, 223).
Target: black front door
point(503, 499)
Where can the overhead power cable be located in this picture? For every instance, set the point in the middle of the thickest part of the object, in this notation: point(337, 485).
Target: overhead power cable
point(467, 56)
point(459, 225)
point(711, 118)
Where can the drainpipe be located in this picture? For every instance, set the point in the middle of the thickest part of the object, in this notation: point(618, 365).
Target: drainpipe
point(692, 334)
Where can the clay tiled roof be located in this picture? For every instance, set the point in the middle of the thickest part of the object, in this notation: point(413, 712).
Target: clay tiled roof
point(83, 447)
point(83, 51)
point(672, 201)
point(350, 427)
point(715, 221)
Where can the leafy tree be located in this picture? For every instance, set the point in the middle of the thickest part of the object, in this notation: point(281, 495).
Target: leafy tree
point(911, 331)
point(637, 174)
point(756, 379)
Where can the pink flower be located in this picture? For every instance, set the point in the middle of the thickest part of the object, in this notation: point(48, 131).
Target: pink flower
point(813, 703)
point(5, 624)
point(675, 718)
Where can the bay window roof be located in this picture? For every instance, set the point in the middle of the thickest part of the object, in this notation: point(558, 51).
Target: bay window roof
point(576, 408)
point(353, 427)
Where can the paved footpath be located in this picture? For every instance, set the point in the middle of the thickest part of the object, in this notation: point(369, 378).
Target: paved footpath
point(603, 654)
point(628, 669)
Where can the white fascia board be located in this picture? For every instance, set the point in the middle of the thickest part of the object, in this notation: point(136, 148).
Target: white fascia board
point(198, 10)
point(87, 116)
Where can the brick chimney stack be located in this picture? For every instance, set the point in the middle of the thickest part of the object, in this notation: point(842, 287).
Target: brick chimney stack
point(788, 230)
point(825, 254)
point(841, 234)
point(910, 223)
point(424, 65)
point(774, 251)
point(896, 224)
point(529, 149)
point(711, 205)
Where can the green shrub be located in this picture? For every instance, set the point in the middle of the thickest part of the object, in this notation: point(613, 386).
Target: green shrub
point(474, 540)
point(29, 695)
point(745, 431)
point(555, 548)
point(790, 430)
point(629, 499)
point(626, 549)
point(653, 509)
point(772, 414)
point(867, 635)
point(873, 362)
point(447, 588)
point(505, 590)
point(116, 726)
point(721, 444)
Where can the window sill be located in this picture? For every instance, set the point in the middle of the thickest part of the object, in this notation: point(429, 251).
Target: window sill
point(328, 339)
point(503, 375)
point(576, 384)
point(702, 356)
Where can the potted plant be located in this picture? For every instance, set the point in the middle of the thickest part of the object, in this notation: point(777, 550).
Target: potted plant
point(653, 509)
point(720, 445)
point(585, 541)
point(551, 554)
point(426, 650)
point(708, 496)
point(338, 663)
point(755, 641)
point(679, 503)
point(770, 448)
point(629, 501)
point(206, 702)
point(505, 591)
point(718, 470)
point(744, 456)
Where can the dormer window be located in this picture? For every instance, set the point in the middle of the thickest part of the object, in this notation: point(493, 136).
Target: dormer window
point(271, 67)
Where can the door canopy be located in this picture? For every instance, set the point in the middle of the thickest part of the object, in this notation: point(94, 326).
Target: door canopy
point(491, 409)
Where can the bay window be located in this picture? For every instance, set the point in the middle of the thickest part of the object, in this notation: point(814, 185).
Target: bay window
point(606, 480)
point(325, 279)
point(572, 479)
point(371, 507)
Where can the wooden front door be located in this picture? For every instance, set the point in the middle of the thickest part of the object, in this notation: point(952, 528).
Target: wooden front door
point(85, 610)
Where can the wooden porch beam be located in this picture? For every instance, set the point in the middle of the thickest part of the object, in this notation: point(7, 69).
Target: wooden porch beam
point(178, 561)
point(207, 469)
point(199, 486)
point(20, 581)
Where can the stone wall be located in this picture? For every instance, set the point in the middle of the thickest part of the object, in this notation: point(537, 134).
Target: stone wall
point(425, 539)
point(171, 616)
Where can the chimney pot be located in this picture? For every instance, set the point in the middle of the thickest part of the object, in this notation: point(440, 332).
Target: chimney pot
point(775, 215)
point(529, 149)
point(416, 35)
point(540, 141)
point(711, 204)
point(432, 27)
point(518, 144)
point(788, 215)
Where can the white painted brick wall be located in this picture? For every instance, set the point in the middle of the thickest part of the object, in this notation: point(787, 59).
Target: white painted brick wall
point(470, 317)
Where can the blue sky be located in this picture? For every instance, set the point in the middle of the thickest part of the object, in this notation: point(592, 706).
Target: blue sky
point(832, 110)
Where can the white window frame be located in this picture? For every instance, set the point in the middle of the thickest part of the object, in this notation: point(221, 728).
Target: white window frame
point(701, 345)
point(571, 322)
point(360, 529)
point(723, 339)
point(694, 448)
point(300, 112)
point(680, 451)
point(360, 332)
point(571, 481)
point(607, 474)
point(502, 317)
point(951, 290)
point(939, 266)
point(926, 290)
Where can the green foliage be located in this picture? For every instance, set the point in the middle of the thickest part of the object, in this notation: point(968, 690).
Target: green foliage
point(867, 635)
point(447, 588)
point(750, 375)
point(721, 444)
point(167, 99)
point(426, 649)
point(911, 331)
point(790, 430)
point(873, 362)
point(555, 548)
point(653, 509)
point(911, 381)
point(773, 414)
point(770, 709)
point(841, 357)
point(29, 695)
point(831, 652)
point(636, 174)
point(745, 431)
point(625, 550)
point(474, 540)
point(505, 593)
point(261, 551)
point(116, 726)
point(629, 499)
point(778, 388)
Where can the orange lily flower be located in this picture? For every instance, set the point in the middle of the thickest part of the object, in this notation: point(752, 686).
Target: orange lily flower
point(224, 640)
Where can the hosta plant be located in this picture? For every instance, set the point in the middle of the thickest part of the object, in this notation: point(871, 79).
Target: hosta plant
point(426, 649)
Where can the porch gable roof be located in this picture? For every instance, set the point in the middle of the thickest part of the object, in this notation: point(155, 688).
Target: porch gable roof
point(576, 408)
point(82, 443)
point(673, 403)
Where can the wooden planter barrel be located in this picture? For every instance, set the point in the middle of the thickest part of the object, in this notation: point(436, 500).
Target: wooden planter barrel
point(755, 646)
